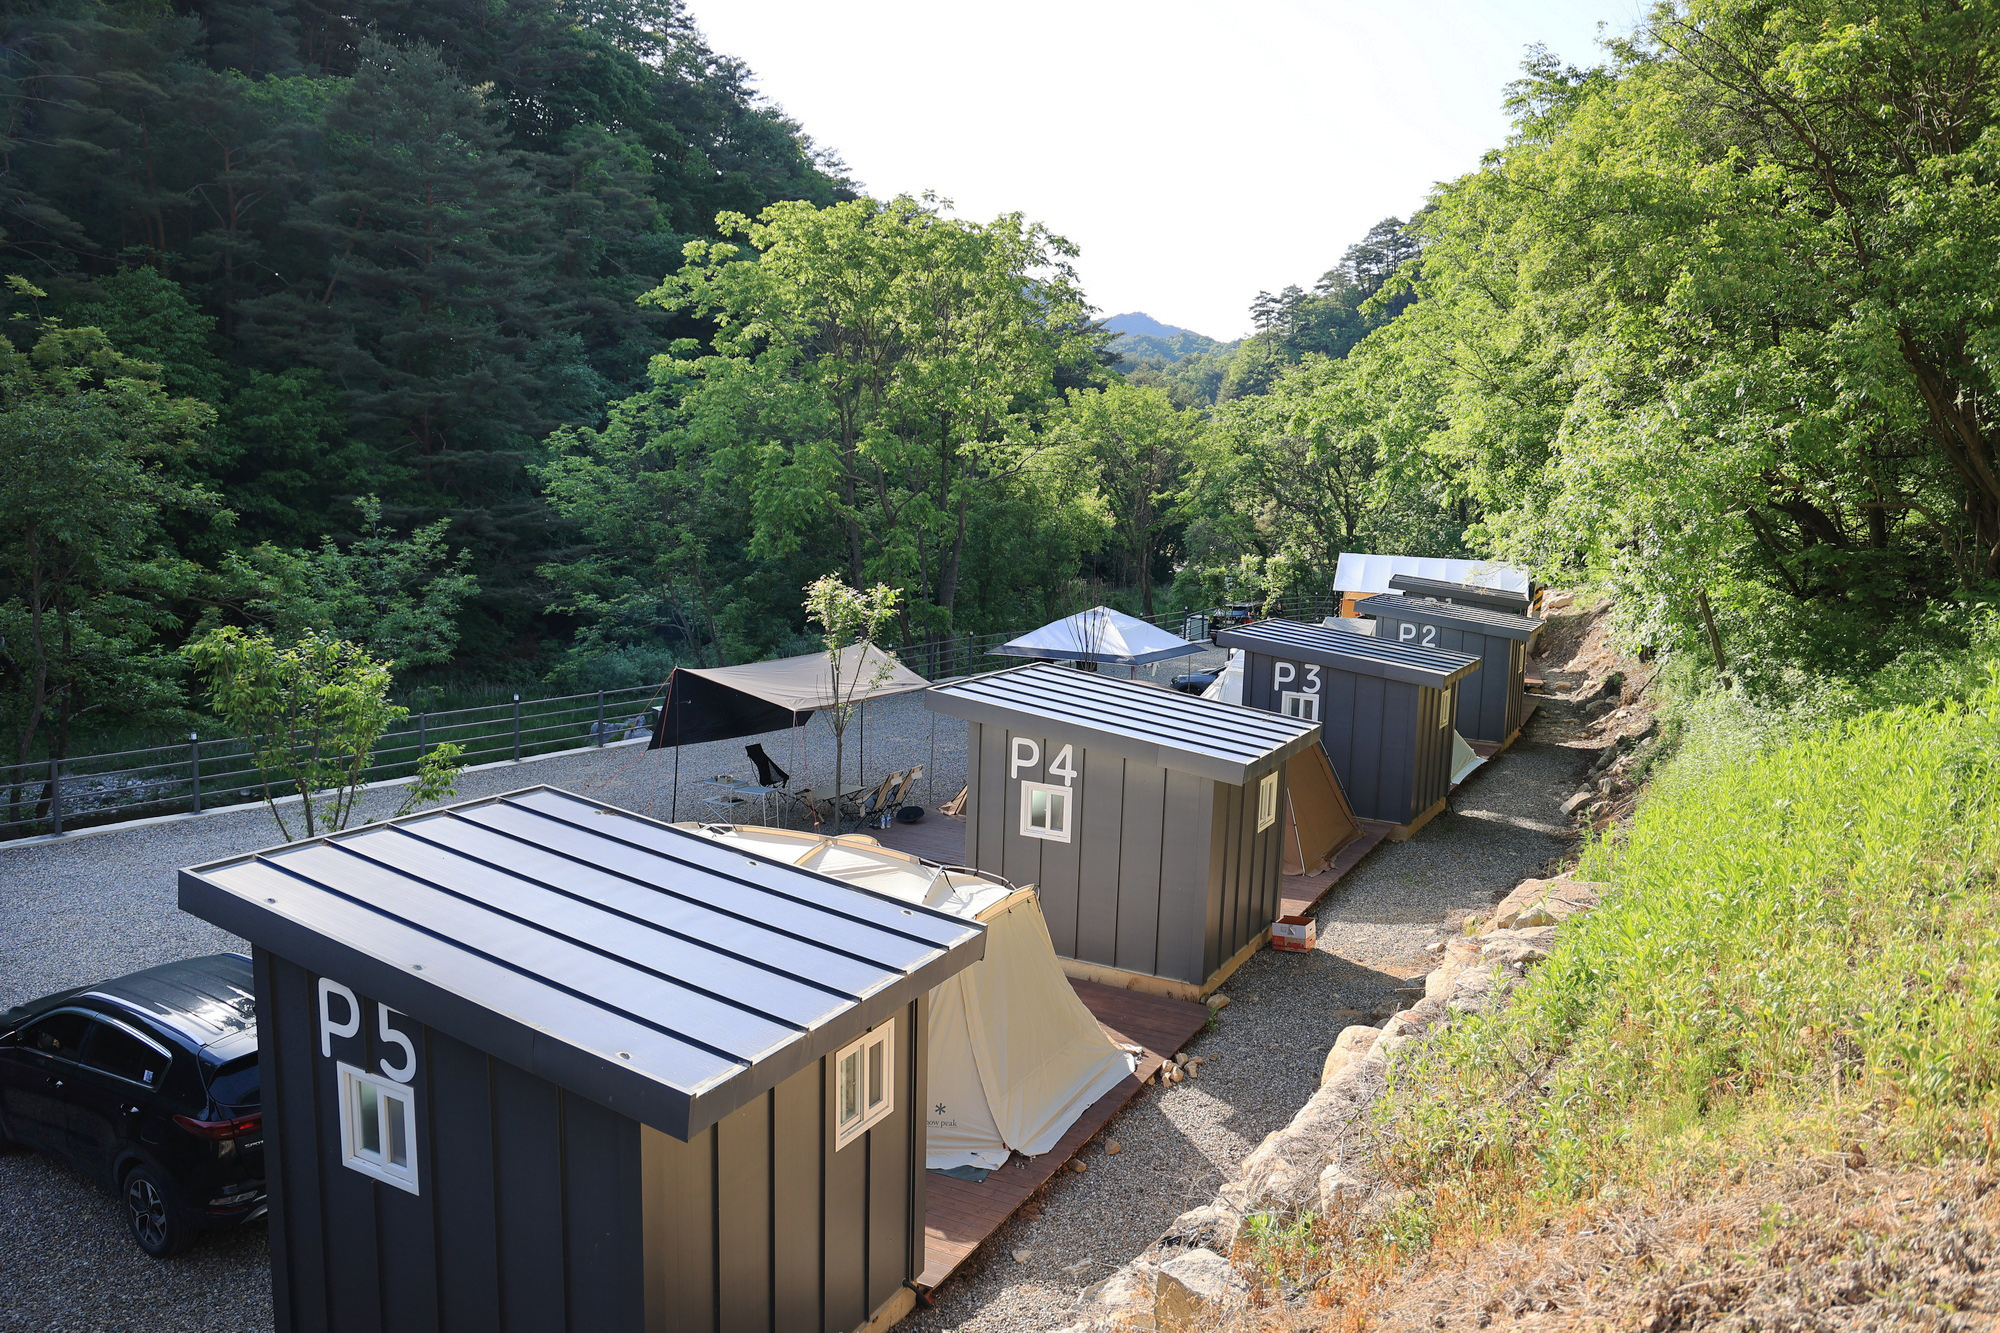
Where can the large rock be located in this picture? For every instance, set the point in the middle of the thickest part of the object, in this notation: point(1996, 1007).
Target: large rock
point(1517, 947)
point(1459, 954)
point(1352, 1043)
point(1196, 1290)
point(1545, 902)
point(1211, 1227)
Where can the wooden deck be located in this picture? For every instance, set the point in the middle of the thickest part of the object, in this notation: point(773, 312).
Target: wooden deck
point(939, 838)
point(959, 1215)
point(1301, 893)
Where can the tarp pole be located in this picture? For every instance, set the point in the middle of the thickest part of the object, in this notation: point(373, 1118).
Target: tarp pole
point(674, 810)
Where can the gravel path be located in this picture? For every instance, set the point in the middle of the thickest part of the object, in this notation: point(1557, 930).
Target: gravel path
point(102, 904)
point(1265, 1050)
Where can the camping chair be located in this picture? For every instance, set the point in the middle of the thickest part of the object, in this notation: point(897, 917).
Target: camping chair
point(955, 807)
point(870, 810)
point(901, 796)
point(768, 773)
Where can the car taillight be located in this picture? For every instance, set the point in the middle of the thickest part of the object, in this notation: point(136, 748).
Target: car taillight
point(240, 1127)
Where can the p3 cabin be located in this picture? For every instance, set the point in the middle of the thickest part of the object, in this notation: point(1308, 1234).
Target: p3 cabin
point(1151, 821)
point(1493, 707)
point(1385, 709)
point(532, 1062)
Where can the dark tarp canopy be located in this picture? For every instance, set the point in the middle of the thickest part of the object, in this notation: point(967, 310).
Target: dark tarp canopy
point(722, 703)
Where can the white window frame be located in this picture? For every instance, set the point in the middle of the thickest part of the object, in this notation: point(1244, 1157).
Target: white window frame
point(871, 1109)
point(1446, 698)
point(1267, 800)
point(1060, 798)
point(1300, 704)
point(354, 1154)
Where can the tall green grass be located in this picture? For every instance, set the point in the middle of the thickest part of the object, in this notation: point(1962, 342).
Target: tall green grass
point(1801, 944)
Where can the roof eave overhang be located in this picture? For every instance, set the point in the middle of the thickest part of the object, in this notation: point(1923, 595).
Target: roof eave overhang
point(1356, 663)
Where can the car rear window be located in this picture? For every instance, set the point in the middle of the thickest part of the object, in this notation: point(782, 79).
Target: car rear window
point(235, 1084)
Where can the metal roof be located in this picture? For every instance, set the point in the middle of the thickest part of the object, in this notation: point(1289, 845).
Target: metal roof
point(1479, 619)
point(1344, 650)
point(1497, 599)
point(1211, 739)
point(650, 969)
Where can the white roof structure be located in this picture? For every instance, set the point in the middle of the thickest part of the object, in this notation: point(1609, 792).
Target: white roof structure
point(1015, 1057)
point(1358, 573)
point(1100, 635)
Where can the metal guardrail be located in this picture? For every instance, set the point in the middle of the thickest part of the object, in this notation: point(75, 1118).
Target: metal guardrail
point(78, 791)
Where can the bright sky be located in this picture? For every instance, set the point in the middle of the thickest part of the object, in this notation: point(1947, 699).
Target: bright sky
point(1198, 153)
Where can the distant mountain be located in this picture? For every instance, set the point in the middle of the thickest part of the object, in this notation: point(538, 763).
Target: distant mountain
point(1141, 337)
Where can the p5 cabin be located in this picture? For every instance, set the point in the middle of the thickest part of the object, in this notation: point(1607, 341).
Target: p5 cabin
point(1385, 709)
point(533, 1062)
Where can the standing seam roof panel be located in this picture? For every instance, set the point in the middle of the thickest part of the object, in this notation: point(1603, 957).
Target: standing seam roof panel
point(655, 907)
point(1410, 606)
point(786, 888)
point(675, 1030)
point(538, 950)
point(1143, 713)
point(1349, 651)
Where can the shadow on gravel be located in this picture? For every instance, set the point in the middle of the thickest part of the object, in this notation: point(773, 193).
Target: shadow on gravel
point(71, 1268)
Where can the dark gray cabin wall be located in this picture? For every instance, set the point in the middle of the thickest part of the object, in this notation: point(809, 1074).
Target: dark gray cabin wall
point(1381, 736)
point(1491, 706)
point(1245, 871)
point(758, 1225)
point(530, 1195)
point(543, 1210)
point(1132, 887)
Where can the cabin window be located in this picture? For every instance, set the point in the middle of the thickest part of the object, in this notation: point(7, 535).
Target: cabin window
point(1267, 802)
point(1445, 708)
point(1295, 703)
point(1045, 811)
point(864, 1083)
point(378, 1128)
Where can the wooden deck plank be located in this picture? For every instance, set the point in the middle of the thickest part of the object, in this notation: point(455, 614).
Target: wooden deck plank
point(1301, 893)
point(960, 1214)
point(938, 838)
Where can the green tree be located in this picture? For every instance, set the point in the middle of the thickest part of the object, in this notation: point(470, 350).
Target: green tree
point(881, 364)
point(396, 597)
point(1137, 445)
point(90, 445)
point(311, 714)
point(849, 619)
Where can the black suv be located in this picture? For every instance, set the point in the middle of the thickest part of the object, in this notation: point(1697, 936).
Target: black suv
point(149, 1085)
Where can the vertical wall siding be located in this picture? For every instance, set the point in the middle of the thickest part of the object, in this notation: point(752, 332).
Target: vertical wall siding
point(1371, 729)
point(1132, 889)
point(760, 1226)
point(528, 1215)
point(1489, 700)
point(1246, 879)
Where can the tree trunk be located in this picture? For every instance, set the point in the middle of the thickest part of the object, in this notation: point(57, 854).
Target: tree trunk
point(1714, 636)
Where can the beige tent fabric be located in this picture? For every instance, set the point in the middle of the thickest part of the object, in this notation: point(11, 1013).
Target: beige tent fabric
point(1015, 1057)
point(1319, 821)
point(807, 682)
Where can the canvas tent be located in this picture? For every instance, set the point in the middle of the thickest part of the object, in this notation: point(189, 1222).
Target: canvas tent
point(1359, 574)
point(1015, 1057)
point(1318, 822)
point(721, 703)
point(1100, 635)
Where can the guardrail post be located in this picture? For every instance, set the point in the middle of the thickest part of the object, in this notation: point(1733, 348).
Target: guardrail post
point(517, 728)
point(55, 795)
point(423, 733)
point(194, 767)
point(599, 733)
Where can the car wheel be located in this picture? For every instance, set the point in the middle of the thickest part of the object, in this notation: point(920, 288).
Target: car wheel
point(150, 1215)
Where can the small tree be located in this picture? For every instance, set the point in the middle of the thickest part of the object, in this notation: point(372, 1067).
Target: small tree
point(311, 715)
point(847, 617)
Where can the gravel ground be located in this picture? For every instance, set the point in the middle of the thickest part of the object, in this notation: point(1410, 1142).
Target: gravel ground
point(1265, 1050)
point(102, 904)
